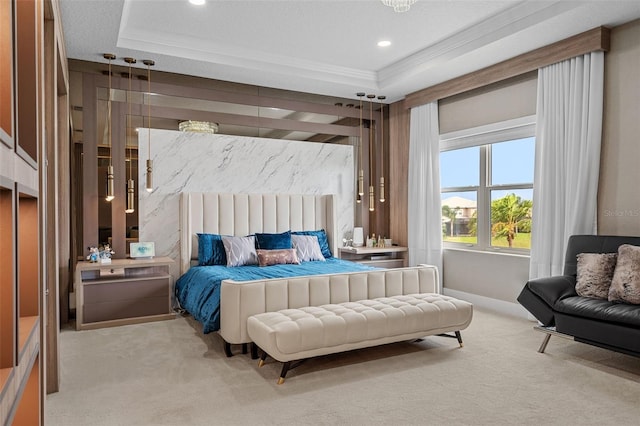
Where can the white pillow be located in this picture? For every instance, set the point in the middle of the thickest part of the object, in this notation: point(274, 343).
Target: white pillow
point(307, 247)
point(240, 250)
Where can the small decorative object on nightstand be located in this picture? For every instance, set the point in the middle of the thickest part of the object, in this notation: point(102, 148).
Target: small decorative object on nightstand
point(382, 257)
point(358, 237)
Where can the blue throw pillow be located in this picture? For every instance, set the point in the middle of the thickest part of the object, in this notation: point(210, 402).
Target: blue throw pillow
point(274, 241)
point(211, 250)
point(322, 240)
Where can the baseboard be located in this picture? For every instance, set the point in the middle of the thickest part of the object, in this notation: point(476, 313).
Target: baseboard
point(500, 306)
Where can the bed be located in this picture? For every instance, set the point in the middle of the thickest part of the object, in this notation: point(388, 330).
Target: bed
point(241, 215)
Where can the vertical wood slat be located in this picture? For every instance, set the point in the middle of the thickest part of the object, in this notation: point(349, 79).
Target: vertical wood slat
point(398, 172)
point(118, 204)
point(90, 179)
point(50, 206)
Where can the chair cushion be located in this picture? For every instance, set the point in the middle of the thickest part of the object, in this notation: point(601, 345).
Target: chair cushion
point(625, 286)
point(595, 271)
point(601, 310)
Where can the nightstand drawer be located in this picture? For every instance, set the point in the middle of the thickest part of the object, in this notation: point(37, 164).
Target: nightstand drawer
point(131, 308)
point(121, 291)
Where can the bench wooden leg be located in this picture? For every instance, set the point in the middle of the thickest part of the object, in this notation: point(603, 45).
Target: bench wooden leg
point(262, 358)
point(283, 373)
point(227, 349)
point(457, 336)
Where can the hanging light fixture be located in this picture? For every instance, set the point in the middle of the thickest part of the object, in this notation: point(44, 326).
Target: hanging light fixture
point(399, 5)
point(372, 197)
point(149, 63)
point(382, 98)
point(131, 195)
point(198, 126)
point(360, 170)
point(110, 57)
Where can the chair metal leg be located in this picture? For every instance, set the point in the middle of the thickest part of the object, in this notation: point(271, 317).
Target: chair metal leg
point(545, 341)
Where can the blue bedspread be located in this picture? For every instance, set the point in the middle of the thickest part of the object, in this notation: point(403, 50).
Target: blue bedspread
point(198, 291)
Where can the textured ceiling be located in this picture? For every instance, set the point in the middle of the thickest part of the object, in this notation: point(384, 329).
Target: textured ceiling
point(328, 46)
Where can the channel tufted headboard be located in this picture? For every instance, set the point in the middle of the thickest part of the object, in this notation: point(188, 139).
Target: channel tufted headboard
point(244, 214)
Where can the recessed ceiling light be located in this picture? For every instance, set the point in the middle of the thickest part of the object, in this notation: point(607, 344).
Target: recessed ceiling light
point(384, 43)
point(197, 2)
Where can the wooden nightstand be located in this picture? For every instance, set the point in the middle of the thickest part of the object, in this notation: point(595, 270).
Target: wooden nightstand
point(127, 291)
point(382, 257)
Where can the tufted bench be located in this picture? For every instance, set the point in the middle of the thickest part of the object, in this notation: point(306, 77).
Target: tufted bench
point(295, 334)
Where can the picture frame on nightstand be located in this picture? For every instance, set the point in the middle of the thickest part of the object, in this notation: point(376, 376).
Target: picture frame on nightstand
point(145, 250)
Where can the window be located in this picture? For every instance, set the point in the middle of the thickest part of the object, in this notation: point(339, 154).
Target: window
point(486, 177)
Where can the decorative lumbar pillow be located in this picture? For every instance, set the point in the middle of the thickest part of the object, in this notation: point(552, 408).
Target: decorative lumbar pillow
point(307, 248)
point(625, 286)
point(240, 250)
point(211, 250)
point(595, 271)
point(277, 257)
point(322, 240)
point(274, 241)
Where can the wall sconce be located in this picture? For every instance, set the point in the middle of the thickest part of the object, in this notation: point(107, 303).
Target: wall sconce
point(360, 169)
point(131, 195)
point(110, 193)
point(382, 98)
point(149, 63)
point(372, 196)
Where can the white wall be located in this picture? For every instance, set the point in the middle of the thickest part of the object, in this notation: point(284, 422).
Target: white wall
point(494, 275)
point(618, 196)
point(196, 162)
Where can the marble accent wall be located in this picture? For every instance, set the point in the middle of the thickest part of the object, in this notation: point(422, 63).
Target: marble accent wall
point(195, 162)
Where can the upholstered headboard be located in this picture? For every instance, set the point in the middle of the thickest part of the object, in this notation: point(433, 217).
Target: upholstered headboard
point(244, 214)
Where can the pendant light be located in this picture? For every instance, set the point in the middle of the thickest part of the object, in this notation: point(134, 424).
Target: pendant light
point(372, 197)
point(149, 63)
point(131, 195)
point(360, 170)
point(110, 57)
point(382, 98)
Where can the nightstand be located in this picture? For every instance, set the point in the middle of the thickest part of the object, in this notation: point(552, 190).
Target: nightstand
point(382, 257)
point(126, 291)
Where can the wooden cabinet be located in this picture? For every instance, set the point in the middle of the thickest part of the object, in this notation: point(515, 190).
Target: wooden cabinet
point(382, 257)
point(30, 107)
point(6, 72)
point(127, 291)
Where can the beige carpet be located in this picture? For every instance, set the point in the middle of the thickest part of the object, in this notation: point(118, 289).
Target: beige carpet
point(168, 373)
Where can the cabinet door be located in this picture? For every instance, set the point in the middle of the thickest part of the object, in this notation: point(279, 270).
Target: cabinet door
point(27, 29)
point(6, 72)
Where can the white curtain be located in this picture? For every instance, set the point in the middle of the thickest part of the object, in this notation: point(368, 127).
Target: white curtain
point(425, 212)
point(567, 163)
